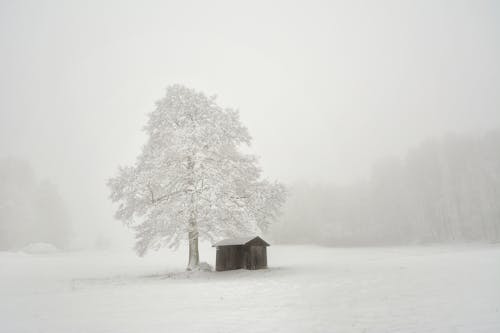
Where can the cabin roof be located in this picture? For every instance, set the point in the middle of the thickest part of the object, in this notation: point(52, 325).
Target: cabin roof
point(241, 241)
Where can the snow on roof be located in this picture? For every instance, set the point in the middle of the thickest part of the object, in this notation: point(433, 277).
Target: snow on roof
point(235, 241)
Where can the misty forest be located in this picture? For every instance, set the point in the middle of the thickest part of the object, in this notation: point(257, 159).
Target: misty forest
point(249, 166)
point(31, 210)
point(443, 190)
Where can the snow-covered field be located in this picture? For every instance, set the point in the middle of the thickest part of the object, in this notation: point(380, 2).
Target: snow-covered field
point(306, 289)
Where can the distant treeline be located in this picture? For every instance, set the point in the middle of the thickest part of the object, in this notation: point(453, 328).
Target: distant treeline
point(443, 191)
point(30, 211)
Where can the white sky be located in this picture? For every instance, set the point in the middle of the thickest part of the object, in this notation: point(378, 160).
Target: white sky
point(325, 87)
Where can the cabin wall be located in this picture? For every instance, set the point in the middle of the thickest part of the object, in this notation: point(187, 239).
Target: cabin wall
point(259, 257)
point(238, 256)
point(254, 257)
point(229, 257)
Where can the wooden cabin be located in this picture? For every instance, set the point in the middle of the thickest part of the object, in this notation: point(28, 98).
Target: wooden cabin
point(244, 252)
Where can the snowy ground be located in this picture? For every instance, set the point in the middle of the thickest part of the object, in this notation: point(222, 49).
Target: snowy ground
point(307, 289)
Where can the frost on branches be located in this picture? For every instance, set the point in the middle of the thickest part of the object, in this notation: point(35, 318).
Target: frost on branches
point(191, 180)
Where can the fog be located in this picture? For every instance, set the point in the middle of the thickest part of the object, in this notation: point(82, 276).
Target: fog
point(441, 191)
point(345, 100)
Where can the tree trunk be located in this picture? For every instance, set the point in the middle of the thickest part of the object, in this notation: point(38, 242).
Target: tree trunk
point(194, 256)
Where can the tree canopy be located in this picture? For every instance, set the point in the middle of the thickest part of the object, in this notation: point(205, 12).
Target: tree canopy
point(192, 179)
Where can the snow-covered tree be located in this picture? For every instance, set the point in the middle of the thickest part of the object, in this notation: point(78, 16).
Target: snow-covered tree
point(191, 180)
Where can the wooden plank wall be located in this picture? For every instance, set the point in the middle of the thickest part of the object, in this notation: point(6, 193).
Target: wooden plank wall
point(229, 257)
point(237, 256)
point(258, 255)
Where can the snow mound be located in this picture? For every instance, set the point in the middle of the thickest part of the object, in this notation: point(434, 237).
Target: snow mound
point(39, 248)
point(204, 267)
